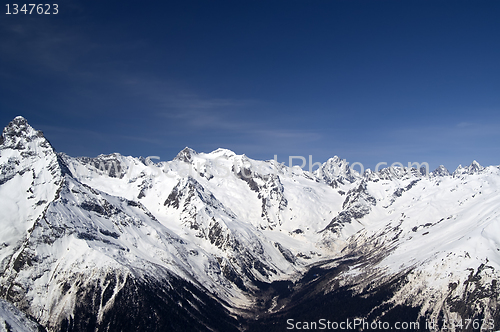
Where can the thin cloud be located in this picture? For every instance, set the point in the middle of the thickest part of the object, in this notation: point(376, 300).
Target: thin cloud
point(447, 133)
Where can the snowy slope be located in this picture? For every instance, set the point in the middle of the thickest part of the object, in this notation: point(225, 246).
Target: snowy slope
point(272, 200)
point(12, 319)
point(425, 250)
point(444, 231)
point(206, 235)
point(29, 178)
point(88, 241)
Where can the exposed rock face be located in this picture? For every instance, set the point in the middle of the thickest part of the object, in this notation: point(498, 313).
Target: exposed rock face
point(186, 155)
point(221, 242)
point(440, 171)
point(356, 205)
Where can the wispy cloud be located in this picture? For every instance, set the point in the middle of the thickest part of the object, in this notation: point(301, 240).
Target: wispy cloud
point(62, 52)
point(452, 132)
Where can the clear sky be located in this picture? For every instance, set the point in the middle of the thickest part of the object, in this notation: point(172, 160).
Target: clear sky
point(369, 81)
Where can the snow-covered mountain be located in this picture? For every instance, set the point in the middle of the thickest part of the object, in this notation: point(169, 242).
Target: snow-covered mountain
point(218, 241)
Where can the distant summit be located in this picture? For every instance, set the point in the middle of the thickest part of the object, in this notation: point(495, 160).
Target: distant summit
point(440, 171)
point(473, 168)
point(18, 132)
point(185, 155)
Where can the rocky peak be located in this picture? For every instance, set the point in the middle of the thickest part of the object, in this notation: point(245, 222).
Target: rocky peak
point(440, 171)
point(186, 155)
point(18, 125)
point(473, 168)
point(336, 170)
point(24, 150)
point(19, 134)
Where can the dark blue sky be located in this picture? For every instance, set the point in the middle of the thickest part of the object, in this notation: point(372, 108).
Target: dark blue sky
point(370, 81)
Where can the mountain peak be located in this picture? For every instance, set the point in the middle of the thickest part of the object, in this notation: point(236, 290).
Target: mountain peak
point(20, 118)
point(336, 170)
point(17, 126)
point(186, 155)
point(223, 152)
point(18, 133)
point(440, 171)
point(473, 168)
point(475, 164)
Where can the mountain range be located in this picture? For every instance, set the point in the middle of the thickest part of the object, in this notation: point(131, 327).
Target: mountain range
point(221, 242)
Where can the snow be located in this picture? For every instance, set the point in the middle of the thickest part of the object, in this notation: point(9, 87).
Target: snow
point(26, 160)
point(200, 213)
point(12, 319)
